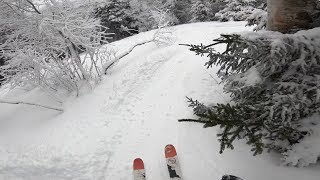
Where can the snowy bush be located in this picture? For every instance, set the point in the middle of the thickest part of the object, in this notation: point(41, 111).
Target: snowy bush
point(164, 36)
point(238, 10)
point(274, 81)
point(152, 14)
point(162, 14)
point(43, 46)
point(164, 18)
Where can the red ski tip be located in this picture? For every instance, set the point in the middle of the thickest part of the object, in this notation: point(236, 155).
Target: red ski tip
point(138, 164)
point(170, 151)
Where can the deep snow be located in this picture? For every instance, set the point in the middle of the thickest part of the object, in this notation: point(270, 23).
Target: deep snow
point(132, 113)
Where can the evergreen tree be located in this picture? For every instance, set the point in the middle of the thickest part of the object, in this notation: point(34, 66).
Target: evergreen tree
point(117, 15)
point(236, 10)
point(141, 12)
point(273, 80)
point(258, 18)
point(182, 10)
point(200, 11)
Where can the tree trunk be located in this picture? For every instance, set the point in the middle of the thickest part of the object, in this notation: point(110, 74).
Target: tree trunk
point(290, 15)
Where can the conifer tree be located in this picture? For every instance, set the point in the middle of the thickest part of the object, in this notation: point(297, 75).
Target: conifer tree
point(182, 10)
point(236, 10)
point(273, 81)
point(200, 11)
point(117, 16)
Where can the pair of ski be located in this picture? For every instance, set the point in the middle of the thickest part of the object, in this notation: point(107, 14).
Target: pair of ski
point(173, 165)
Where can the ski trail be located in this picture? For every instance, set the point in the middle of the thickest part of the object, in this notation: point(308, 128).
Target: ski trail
point(154, 123)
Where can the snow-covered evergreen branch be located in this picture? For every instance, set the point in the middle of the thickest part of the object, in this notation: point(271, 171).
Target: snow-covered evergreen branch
point(274, 75)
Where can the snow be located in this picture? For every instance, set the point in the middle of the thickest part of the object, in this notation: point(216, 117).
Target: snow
point(249, 78)
point(132, 113)
point(307, 152)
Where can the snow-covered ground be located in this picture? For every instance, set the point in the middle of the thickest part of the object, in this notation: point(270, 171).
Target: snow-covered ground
point(132, 113)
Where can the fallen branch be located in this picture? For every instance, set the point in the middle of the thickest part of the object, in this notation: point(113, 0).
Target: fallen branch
point(125, 54)
point(160, 36)
point(31, 104)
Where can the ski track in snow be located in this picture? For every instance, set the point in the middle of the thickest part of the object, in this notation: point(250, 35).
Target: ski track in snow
point(133, 113)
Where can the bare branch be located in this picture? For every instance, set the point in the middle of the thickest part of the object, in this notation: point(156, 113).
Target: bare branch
point(125, 54)
point(31, 104)
point(11, 5)
point(33, 6)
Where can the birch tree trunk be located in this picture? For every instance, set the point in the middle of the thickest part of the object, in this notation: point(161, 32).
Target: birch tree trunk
point(290, 15)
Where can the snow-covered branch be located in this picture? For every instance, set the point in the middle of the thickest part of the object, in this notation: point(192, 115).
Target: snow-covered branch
point(275, 78)
point(31, 104)
point(124, 54)
point(160, 37)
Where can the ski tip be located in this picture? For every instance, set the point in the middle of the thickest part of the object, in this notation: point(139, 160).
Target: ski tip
point(138, 164)
point(170, 151)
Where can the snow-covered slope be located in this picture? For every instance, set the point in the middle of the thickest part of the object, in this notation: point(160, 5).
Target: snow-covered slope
point(132, 113)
